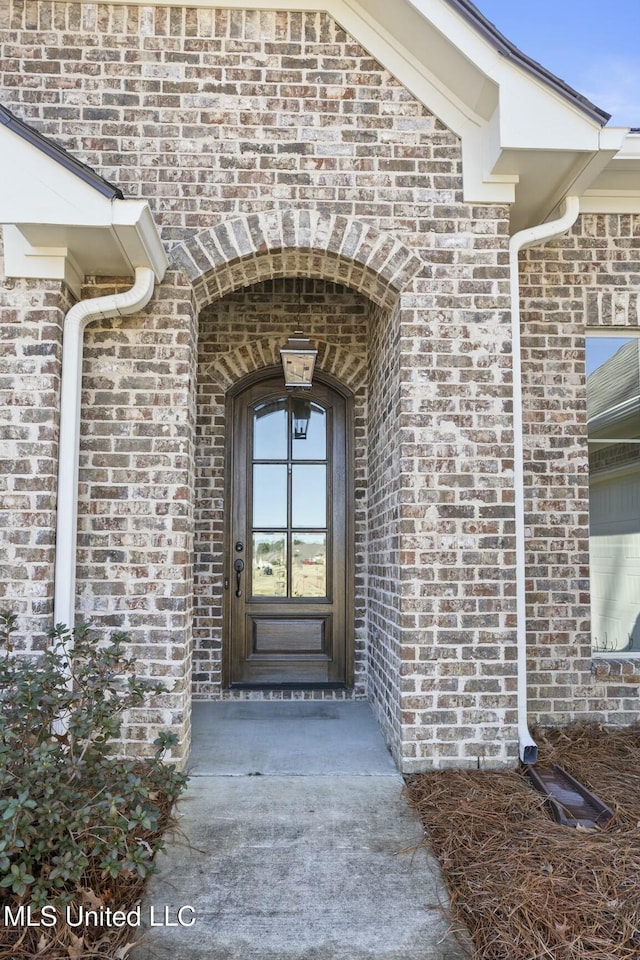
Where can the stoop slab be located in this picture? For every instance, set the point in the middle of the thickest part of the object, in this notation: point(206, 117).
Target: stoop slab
point(287, 738)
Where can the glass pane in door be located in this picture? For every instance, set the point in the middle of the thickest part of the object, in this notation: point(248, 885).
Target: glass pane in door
point(289, 531)
point(309, 495)
point(269, 564)
point(270, 430)
point(308, 430)
point(269, 495)
point(309, 565)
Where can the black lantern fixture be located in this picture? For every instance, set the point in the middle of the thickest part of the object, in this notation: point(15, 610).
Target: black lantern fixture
point(301, 412)
point(298, 360)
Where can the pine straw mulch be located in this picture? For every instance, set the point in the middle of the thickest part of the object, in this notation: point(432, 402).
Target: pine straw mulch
point(97, 891)
point(525, 887)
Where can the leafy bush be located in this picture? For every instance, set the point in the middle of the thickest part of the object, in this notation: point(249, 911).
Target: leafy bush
point(73, 816)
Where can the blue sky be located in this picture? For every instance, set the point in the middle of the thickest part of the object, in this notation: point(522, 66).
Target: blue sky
point(600, 349)
point(594, 45)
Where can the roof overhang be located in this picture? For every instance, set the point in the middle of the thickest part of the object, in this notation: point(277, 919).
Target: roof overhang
point(620, 422)
point(60, 222)
point(616, 188)
point(527, 138)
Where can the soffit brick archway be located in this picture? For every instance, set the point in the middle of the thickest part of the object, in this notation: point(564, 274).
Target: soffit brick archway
point(263, 246)
point(233, 365)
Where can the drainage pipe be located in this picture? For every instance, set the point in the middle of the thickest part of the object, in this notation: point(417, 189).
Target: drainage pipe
point(530, 237)
point(82, 313)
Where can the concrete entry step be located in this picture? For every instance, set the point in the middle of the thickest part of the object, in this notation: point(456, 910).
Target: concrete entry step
point(291, 737)
point(302, 866)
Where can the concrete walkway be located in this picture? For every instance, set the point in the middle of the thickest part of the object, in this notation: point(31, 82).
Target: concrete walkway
point(300, 845)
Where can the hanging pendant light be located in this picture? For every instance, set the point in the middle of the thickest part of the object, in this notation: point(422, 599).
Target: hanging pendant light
point(298, 360)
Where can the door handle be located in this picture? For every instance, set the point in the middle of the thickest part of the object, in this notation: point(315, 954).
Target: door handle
point(238, 566)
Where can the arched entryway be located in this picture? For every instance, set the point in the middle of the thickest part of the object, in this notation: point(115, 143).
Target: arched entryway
point(228, 452)
point(289, 542)
point(254, 280)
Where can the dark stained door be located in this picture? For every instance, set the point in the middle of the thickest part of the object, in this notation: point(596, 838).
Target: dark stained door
point(288, 538)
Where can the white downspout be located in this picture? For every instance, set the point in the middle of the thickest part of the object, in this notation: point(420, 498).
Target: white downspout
point(82, 313)
point(530, 237)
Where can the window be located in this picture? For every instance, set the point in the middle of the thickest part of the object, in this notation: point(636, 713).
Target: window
point(613, 418)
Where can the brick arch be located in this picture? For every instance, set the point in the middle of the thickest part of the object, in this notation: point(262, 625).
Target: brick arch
point(290, 243)
point(229, 367)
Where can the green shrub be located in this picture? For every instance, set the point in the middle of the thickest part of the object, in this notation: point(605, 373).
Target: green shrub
point(73, 815)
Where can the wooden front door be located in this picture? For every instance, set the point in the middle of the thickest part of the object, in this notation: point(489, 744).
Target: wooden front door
point(288, 538)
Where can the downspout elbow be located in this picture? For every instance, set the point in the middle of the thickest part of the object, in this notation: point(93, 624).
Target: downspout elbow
point(114, 305)
point(530, 237)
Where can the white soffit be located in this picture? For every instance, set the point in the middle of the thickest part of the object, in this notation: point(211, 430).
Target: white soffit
point(57, 226)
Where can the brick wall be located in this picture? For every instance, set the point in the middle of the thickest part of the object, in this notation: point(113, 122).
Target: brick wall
point(588, 279)
point(384, 602)
point(210, 113)
point(31, 317)
point(456, 509)
point(135, 513)
point(270, 145)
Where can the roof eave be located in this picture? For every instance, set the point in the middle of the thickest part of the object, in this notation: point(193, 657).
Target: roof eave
point(63, 221)
point(57, 153)
point(507, 49)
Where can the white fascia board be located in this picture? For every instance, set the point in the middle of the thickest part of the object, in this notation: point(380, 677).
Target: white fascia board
point(622, 140)
point(68, 263)
point(71, 252)
point(40, 201)
point(508, 75)
point(611, 202)
point(533, 117)
point(587, 169)
point(47, 210)
point(127, 224)
point(458, 75)
point(480, 152)
point(135, 230)
point(480, 185)
point(436, 53)
point(616, 189)
point(456, 115)
point(529, 117)
point(526, 116)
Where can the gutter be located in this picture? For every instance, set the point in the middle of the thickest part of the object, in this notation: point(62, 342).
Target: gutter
point(115, 305)
point(531, 237)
